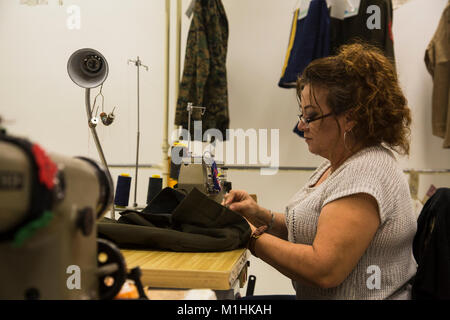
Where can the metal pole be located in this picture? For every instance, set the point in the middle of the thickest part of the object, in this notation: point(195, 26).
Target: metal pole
point(165, 143)
point(178, 52)
point(189, 110)
point(138, 64)
point(137, 141)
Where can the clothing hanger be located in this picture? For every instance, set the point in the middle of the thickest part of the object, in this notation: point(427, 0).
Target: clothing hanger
point(296, 6)
point(350, 6)
point(303, 7)
point(344, 9)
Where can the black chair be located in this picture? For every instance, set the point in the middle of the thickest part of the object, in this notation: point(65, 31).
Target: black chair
point(431, 249)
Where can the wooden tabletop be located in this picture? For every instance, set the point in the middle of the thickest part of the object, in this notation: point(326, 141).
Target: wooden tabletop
point(188, 270)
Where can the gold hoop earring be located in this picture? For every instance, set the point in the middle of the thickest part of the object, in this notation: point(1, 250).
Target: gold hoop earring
point(345, 144)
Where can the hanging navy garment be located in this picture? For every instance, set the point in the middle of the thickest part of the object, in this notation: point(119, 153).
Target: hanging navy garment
point(309, 40)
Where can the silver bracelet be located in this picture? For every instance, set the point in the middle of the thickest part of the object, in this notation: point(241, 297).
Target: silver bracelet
point(269, 227)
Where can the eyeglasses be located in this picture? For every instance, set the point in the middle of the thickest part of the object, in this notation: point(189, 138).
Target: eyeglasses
point(307, 121)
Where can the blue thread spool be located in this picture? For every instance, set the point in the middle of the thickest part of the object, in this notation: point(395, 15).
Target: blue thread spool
point(122, 190)
point(154, 187)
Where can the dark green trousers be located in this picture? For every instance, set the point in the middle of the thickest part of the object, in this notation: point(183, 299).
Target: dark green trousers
point(196, 224)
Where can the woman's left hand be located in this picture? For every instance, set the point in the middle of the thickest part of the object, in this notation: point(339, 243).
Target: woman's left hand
point(252, 227)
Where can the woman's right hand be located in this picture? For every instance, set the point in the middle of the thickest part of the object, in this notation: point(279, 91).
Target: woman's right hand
point(241, 202)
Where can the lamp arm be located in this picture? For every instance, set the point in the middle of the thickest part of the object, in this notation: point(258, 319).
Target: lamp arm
point(94, 132)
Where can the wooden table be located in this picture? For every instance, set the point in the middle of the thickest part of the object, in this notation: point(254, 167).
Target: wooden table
point(219, 271)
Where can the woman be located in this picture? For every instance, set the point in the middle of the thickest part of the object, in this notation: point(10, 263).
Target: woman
point(348, 233)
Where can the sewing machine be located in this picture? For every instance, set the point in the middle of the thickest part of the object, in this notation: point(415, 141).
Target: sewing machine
point(48, 236)
point(196, 172)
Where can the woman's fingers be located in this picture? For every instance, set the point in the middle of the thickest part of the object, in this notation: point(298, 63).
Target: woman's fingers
point(228, 198)
point(235, 206)
point(233, 196)
point(236, 200)
point(239, 206)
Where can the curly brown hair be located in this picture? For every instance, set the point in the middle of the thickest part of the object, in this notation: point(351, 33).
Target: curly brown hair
point(362, 81)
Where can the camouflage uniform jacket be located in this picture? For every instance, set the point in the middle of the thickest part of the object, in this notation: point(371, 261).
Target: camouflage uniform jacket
point(204, 81)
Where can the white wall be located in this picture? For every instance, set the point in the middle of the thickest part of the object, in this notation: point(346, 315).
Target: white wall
point(414, 26)
point(258, 39)
point(48, 108)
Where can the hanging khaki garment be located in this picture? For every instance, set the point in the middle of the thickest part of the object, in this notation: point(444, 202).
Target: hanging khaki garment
point(437, 60)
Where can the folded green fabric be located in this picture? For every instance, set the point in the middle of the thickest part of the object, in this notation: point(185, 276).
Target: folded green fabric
point(198, 224)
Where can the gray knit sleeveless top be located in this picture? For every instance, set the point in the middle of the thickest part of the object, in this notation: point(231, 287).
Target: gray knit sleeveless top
point(388, 263)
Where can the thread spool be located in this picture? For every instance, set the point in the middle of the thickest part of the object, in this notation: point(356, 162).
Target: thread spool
point(122, 190)
point(177, 152)
point(154, 187)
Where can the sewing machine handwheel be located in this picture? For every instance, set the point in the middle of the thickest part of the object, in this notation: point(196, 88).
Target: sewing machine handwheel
point(109, 255)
